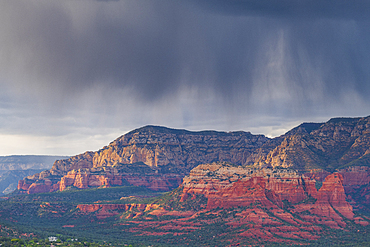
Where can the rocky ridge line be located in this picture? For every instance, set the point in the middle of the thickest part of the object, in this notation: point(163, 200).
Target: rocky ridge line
point(322, 147)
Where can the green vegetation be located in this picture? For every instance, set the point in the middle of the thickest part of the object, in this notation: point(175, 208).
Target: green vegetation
point(344, 120)
point(309, 127)
point(48, 214)
point(75, 195)
point(6, 241)
point(54, 214)
point(362, 161)
point(172, 201)
point(318, 184)
point(138, 167)
point(160, 129)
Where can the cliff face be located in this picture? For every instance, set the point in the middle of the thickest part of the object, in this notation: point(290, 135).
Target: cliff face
point(153, 181)
point(336, 144)
point(137, 174)
point(273, 205)
point(227, 186)
point(331, 201)
point(167, 154)
point(356, 181)
point(159, 147)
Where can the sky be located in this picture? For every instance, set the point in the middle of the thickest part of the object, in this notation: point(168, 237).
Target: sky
point(77, 74)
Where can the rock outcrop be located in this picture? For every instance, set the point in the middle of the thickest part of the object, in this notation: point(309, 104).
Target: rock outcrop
point(160, 147)
point(340, 142)
point(273, 205)
point(104, 177)
point(331, 202)
point(227, 186)
point(82, 180)
point(326, 147)
point(157, 152)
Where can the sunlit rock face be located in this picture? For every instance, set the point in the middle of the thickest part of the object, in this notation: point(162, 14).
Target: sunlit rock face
point(103, 177)
point(331, 202)
point(160, 156)
point(340, 142)
point(257, 202)
point(159, 147)
point(228, 186)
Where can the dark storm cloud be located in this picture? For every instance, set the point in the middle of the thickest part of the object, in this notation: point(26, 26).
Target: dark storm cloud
point(155, 47)
point(340, 9)
point(52, 45)
point(99, 63)
point(319, 49)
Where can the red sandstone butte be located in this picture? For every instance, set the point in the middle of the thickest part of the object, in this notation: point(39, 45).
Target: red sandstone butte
point(241, 193)
point(332, 196)
point(229, 186)
point(83, 179)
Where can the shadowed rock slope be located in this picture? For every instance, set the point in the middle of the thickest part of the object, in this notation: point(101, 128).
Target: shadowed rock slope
point(338, 143)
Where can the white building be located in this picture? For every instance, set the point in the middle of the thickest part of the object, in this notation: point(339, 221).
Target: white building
point(52, 239)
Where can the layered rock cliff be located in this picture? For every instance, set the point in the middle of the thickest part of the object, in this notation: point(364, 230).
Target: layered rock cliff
point(243, 204)
point(164, 155)
point(228, 186)
point(137, 174)
point(338, 143)
point(159, 147)
point(311, 147)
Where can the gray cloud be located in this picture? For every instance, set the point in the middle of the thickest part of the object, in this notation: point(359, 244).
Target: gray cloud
point(154, 46)
point(298, 9)
point(84, 66)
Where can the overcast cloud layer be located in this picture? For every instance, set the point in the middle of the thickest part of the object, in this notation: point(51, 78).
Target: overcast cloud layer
point(75, 75)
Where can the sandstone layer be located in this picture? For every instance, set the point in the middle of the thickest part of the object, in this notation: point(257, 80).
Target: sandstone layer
point(311, 147)
point(340, 142)
point(107, 210)
point(227, 186)
point(103, 177)
point(159, 155)
point(276, 205)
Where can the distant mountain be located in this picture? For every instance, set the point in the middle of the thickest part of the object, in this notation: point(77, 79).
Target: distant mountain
point(15, 167)
point(9, 179)
point(23, 162)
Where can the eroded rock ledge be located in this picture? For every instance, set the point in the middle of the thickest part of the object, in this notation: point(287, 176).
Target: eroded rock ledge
point(104, 177)
point(227, 186)
point(264, 203)
point(163, 154)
